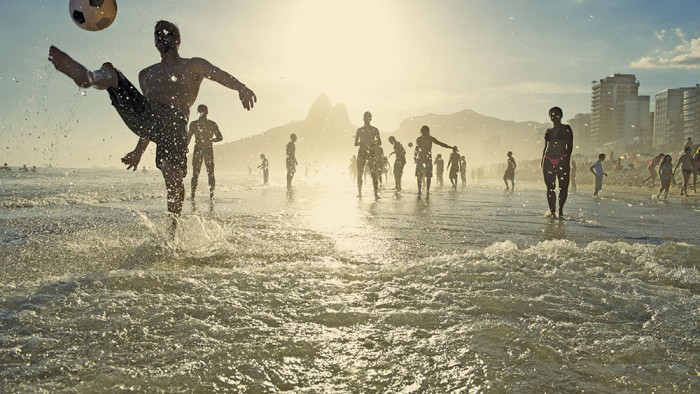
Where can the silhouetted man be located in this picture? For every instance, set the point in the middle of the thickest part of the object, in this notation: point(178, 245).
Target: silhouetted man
point(423, 157)
point(291, 159)
point(509, 175)
point(399, 161)
point(205, 132)
point(160, 114)
point(368, 140)
point(264, 166)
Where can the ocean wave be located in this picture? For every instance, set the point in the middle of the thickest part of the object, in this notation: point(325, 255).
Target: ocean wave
point(73, 199)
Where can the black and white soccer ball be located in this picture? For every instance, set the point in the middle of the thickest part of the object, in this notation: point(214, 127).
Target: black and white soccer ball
point(93, 15)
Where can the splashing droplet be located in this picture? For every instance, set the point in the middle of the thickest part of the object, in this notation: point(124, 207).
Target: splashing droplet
point(173, 78)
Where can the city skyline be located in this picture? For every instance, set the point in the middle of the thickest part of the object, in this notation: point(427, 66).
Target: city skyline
point(503, 59)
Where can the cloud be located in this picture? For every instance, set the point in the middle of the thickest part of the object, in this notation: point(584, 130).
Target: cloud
point(684, 55)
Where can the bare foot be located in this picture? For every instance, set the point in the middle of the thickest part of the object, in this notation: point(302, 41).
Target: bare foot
point(65, 64)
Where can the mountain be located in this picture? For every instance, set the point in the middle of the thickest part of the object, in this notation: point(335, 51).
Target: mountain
point(326, 138)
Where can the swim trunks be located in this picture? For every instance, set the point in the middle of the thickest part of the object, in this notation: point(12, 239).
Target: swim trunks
point(165, 126)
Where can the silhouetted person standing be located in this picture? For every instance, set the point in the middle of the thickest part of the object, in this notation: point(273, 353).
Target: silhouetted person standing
point(368, 140)
point(291, 159)
point(423, 157)
point(205, 132)
point(463, 171)
point(399, 161)
point(556, 156)
point(509, 175)
point(264, 166)
point(439, 169)
point(160, 114)
point(453, 166)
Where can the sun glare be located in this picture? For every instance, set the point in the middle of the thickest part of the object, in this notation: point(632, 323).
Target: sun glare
point(343, 44)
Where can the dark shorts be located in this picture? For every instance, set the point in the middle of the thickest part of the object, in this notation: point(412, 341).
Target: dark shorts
point(165, 126)
point(424, 168)
point(398, 168)
point(509, 174)
point(291, 167)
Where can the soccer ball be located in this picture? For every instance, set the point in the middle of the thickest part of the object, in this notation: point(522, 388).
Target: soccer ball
point(93, 15)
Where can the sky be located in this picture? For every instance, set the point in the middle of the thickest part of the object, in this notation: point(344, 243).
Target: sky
point(511, 59)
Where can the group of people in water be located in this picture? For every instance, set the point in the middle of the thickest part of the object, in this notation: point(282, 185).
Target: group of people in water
point(661, 167)
point(159, 112)
point(24, 168)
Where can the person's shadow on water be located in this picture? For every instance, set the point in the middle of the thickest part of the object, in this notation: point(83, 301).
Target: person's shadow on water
point(555, 229)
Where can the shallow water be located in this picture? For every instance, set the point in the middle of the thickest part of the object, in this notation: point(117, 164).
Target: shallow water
point(316, 291)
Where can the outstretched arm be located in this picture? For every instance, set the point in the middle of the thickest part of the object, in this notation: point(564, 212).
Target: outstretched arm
point(444, 145)
point(209, 71)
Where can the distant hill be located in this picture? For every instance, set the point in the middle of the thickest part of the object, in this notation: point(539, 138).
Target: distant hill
point(326, 137)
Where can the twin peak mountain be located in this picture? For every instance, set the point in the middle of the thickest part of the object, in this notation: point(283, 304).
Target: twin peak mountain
point(326, 138)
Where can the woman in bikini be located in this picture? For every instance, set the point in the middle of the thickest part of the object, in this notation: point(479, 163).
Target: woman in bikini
point(556, 157)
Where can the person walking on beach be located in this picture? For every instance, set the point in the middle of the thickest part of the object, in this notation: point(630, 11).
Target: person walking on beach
point(291, 160)
point(6, 168)
point(264, 166)
point(653, 170)
point(463, 171)
point(453, 166)
point(205, 132)
point(556, 156)
point(685, 161)
point(161, 112)
point(665, 175)
point(423, 156)
point(509, 175)
point(597, 170)
point(367, 139)
point(399, 161)
point(439, 169)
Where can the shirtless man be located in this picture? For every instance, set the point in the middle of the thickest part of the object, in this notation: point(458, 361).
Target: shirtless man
point(556, 157)
point(368, 140)
point(291, 160)
point(509, 175)
point(423, 157)
point(160, 114)
point(265, 167)
point(685, 161)
point(205, 133)
point(399, 161)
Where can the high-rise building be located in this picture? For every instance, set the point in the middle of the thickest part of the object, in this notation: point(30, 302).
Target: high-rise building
point(608, 108)
point(668, 118)
point(691, 113)
point(637, 131)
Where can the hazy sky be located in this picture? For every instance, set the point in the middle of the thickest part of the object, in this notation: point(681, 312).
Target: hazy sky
point(512, 59)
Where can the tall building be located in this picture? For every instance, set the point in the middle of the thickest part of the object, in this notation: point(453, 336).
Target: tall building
point(637, 131)
point(668, 118)
point(608, 107)
point(691, 113)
